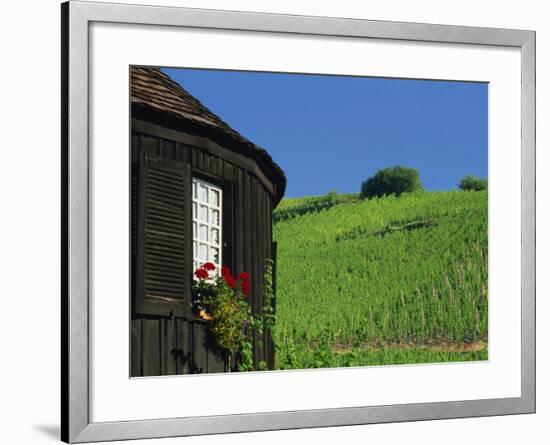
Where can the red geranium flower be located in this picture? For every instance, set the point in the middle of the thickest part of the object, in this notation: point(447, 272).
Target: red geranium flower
point(201, 273)
point(226, 271)
point(244, 276)
point(245, 286)
point(209, 266)
point(231, 282)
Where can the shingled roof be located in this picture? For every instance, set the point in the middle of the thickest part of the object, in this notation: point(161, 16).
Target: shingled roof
point(152, 88)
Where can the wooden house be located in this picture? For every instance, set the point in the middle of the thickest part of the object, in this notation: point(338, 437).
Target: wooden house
point(221, 190)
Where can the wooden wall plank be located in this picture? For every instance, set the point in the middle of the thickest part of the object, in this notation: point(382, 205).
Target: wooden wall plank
point(228, 171)
point(210, 164)
point(135, 352)
point(168, 149)
point(239, 231)
point(219, 167)
point(205, 161)
point(215, 362)
point(149, 144)
point(183, 153)
point(166, 347)
point(200, 159)
point(200, 352)
point(162, 345)
point(181, 354)
point(134, 155)
point(151, 347)
point(228, 236)
point(134, 196)
point(169, 355)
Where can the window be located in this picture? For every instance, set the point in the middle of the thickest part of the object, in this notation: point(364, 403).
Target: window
point(207, 224)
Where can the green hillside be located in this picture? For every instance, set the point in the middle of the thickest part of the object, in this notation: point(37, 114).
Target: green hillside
point(381, 281)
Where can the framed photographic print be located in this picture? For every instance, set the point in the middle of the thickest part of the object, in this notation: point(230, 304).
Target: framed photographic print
point(276, 222)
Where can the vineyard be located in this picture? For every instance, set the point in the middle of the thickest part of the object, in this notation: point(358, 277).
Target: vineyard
point(384, 281)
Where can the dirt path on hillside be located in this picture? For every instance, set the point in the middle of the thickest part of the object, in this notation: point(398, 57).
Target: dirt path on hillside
point(480, 345)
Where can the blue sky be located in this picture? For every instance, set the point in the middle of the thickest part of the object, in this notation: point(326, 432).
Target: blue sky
point(333, 132)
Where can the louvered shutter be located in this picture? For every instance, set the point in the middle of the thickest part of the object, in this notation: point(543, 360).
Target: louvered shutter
point(164, 257)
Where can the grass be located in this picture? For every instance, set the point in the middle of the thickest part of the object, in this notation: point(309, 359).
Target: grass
point(392, 279)
point(323, 358)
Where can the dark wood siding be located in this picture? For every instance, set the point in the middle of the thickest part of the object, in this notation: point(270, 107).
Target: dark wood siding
point(165, 345)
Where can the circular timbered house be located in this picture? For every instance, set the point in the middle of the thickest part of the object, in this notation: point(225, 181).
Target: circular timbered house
point(225, 189)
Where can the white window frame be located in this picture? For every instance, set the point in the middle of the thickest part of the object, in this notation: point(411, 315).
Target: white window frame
point(210, 207)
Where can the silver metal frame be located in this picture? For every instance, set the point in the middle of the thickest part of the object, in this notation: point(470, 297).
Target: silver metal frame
point(76, 18)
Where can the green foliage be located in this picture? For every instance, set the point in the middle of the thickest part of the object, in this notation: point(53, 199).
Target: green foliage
point(393, 180)
point(298, 357)
point(226, 310)
point(268, 311)
point(230, 319)
point(359, 276)
point(473, 183)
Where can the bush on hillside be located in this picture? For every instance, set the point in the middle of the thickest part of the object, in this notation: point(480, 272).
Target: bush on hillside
point(473, 183)
point(392, 180)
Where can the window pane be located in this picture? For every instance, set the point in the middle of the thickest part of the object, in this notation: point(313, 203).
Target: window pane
point(214, 236)
point(194, 230)
point(195, 215)
point(203, 213)
point(203, 252)
point(195, 250)
point(215, 217)
point(203, 233)
point(214, 255)
point(214, 198)
point(203, 193)
point(194, 190)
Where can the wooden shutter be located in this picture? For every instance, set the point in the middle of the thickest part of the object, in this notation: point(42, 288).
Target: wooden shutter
point(164, 257)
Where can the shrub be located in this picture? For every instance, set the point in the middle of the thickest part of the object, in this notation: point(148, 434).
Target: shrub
point(473, 183)
point(392, 180)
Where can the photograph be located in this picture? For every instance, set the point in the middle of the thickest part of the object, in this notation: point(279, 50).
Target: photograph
point(289, 221)
point(286, 219)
